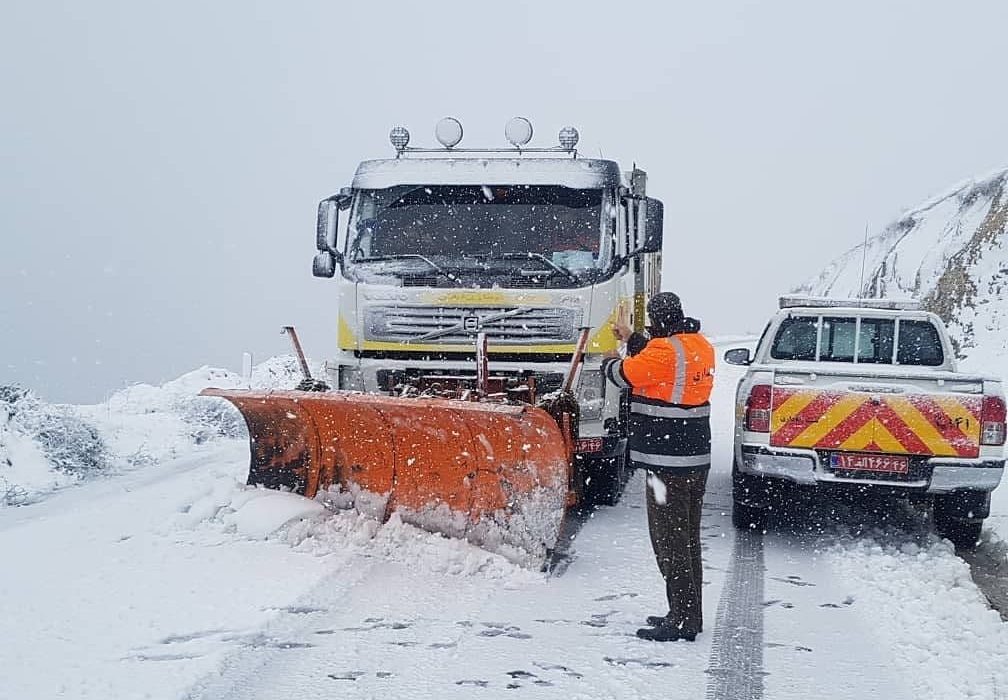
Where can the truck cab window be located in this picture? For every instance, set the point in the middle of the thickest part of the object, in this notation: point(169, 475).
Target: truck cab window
point(796, 339)
point(919, 344)
point(486, 232)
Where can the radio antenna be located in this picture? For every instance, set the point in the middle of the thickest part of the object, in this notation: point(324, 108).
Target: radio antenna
point(864, 257)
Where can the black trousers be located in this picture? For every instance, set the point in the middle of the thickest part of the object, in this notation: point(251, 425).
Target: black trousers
point(675, 537)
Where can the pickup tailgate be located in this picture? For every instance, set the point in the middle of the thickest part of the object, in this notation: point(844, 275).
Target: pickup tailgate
point(885, 415)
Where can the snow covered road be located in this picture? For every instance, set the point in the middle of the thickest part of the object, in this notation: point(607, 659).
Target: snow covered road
point(175, 582)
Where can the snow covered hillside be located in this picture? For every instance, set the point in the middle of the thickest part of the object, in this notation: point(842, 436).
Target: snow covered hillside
point(949, 252)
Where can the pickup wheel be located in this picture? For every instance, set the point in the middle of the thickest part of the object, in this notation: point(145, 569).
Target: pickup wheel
point(959, 517)
point(745, 517)
point(964, 534)
point(746, 489)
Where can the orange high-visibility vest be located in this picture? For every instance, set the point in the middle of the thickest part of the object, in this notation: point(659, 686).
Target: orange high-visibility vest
point(678, 370)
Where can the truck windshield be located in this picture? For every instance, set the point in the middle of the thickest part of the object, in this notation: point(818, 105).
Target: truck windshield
point(840, 339)
point(488, 230)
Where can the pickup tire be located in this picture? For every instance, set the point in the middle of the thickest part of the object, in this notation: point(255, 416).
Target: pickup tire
point(745, 517)
point(746, 489)
point(959, 517)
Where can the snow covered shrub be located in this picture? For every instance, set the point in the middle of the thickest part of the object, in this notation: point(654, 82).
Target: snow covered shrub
point(68, 442)
point(280, 372)
point(209, 418)
point(12, 494)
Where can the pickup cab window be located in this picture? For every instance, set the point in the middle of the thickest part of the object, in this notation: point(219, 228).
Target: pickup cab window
point(865, 341)
point(919, 344)
point(796, 339)
point(841, 338)
point(838, 338)
point(875, 343)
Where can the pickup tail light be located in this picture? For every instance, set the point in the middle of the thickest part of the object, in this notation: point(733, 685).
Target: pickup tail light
point(992, 421)
point(757, 413)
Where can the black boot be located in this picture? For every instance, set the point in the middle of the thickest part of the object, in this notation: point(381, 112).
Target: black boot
point(657, 620)
point(665, 633)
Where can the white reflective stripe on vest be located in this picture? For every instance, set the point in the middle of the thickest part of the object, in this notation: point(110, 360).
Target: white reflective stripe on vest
point(679, 388)
point(614, 373)
point(650, 409)
point(670, 460)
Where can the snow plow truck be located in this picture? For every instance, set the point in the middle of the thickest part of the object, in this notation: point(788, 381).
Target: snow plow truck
point(473, 296)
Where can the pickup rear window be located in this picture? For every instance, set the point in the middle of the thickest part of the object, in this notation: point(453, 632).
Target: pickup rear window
point(841, 338)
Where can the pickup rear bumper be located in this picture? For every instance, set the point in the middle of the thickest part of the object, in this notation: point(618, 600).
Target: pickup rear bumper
point(937, 475)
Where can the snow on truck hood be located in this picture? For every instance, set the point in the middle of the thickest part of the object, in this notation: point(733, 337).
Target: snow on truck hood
point(580, 173)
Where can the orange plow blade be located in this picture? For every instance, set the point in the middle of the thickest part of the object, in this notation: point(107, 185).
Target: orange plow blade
point(496, 475)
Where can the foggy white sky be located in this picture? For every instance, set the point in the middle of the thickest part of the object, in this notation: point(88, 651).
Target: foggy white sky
point(160, 164)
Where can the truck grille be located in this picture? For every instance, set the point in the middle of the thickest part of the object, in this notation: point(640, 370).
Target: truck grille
point(459, 325)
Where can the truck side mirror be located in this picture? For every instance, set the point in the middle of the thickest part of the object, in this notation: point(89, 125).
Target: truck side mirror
point(738, 356)
point(326, 228)
point(653, 225)
point(324, 264)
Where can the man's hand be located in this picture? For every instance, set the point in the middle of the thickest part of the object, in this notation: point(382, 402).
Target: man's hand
point(622, 331)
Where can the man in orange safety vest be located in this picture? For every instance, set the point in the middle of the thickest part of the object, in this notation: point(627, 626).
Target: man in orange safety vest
point(670, 376)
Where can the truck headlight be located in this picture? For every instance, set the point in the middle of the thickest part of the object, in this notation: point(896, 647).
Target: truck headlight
point(591, 394)
point(375, 324)
point(351, 378)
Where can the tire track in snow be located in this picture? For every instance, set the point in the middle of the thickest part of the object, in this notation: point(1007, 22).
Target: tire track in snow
point(736, 660)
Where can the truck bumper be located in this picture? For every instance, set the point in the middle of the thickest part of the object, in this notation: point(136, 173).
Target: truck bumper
point(370, 375)
point(937, 476)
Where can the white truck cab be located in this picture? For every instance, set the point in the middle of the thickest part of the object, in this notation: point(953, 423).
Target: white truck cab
point(865, 394)
point(434, 247)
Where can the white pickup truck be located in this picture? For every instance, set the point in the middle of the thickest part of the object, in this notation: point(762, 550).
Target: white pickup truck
point(865, 394)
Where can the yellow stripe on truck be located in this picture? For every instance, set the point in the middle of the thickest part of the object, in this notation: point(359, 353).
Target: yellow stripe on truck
point(960, 415)
point(920, 425)
point(836, 415)
point(862, 437)
point(791, 407)
point(885, 440)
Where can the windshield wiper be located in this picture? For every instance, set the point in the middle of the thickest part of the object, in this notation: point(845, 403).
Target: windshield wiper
point(414, 256)
point(536, 256)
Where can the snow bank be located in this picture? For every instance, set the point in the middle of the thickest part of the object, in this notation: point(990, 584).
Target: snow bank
point(336, 522)
point(934, 622)
point(44, 447)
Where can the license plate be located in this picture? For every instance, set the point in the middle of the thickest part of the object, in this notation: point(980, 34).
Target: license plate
point(870, 463)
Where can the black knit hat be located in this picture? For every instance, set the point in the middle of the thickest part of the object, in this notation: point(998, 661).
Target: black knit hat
point(666, 313)
point(665, 306)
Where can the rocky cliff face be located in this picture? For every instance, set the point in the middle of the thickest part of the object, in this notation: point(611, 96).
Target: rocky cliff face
point(950, 254)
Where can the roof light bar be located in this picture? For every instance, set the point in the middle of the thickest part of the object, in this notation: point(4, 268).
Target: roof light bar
point(518, 132)
point(794, 301)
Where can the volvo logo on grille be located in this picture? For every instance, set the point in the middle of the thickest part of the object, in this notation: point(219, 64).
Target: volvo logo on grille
point(471, 324)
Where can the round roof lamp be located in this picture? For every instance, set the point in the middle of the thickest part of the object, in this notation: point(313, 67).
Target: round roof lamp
point(448, 132)
point(518, 131)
